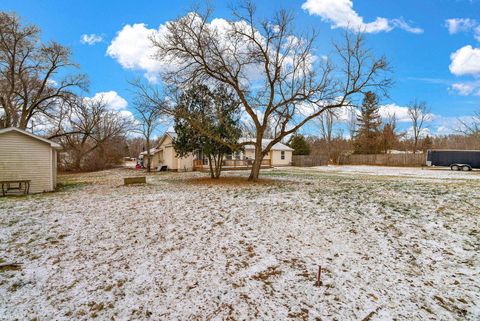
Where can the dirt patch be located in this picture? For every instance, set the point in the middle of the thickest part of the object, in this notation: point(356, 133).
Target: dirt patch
point(10, 267)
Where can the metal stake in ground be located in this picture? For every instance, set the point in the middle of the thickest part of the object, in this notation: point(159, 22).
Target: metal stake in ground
point(319, 277)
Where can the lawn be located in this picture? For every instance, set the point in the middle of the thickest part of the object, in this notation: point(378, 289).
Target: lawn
point(394, 245)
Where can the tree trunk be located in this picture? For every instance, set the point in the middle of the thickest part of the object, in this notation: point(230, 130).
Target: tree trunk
point(218, 166)
point(77, 164)
point(257, 162)
point(148, 156)
point(212, 174)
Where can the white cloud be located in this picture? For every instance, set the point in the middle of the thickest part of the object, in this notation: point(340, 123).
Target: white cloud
point(133, 50)
point(467, 88)
point(112, 100)
point(401, 113)
point(90, 39)
point(340, 14)
point(402, 24)
point(456, 25)
point(465, 61)
point(52, 82)
point(127, 114)
point(476, 33)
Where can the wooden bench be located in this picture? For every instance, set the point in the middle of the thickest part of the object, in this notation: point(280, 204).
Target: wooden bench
point(21, 185)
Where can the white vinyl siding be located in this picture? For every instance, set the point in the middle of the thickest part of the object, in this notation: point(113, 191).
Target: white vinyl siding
point(279, 160)
point(26, 158)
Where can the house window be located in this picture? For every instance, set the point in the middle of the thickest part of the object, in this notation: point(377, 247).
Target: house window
point(282, 155)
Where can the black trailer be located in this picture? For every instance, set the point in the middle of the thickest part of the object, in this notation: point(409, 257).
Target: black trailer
point(457, 160)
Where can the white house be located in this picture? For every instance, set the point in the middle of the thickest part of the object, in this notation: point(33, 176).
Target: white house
point(25, 156)
point(164, 155)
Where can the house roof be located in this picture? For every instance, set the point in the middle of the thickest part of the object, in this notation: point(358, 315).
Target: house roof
point(152, 151)
point(21, 131)
point(172, 135)
point(157, 149)
point(265, 142)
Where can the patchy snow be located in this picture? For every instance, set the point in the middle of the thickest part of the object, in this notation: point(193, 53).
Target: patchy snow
point(417, 172)
point(390, 248)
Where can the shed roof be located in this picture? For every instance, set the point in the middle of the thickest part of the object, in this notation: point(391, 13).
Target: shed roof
point(21, 131)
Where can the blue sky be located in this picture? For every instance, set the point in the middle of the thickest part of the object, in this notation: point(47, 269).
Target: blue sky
point(414, 35)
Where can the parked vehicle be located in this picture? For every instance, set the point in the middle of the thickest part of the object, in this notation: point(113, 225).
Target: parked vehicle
point(457, 160)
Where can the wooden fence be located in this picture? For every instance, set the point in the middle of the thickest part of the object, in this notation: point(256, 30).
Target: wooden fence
point(384, 159)
point(309, 160)
point(229, 164)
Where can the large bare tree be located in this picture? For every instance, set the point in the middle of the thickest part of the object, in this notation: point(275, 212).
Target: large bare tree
point(419, 114)
point(30, 81)
point(149, 118)
point(470, 127)
point(86, 127)
point(326, 121)
point(273, 70)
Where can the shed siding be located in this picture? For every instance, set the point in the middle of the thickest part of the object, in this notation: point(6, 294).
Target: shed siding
point(23, 157)
point(277, 158)
point(54, 167)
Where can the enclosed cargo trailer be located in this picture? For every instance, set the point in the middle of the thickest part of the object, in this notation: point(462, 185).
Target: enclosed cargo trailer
point(455, 159)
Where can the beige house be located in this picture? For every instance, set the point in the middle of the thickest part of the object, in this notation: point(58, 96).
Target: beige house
point(25, 156)
point(279, 155)
point(164, 155)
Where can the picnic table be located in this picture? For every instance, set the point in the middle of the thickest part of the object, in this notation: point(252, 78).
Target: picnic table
point(21, 185)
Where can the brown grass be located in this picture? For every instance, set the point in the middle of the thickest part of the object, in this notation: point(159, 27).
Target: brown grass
point(231, 181)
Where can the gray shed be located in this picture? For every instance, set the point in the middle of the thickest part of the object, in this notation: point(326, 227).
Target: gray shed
point(25, 156)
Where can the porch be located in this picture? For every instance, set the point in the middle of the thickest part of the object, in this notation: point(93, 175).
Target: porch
point(230, 164)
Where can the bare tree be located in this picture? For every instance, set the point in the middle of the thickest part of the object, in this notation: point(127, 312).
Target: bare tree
point(272, 69)
point(135, 146)
point(30, 81)
point(389, 136)
point(419, 114)
point(470, 127)
point(352, 122)
point(88, 127)
point(326, 121)
point(149, 118)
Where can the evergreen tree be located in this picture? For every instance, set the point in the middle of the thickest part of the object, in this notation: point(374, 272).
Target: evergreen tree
point(427, 143)
point(300, 145)
point(367, 137)
point(204, 116)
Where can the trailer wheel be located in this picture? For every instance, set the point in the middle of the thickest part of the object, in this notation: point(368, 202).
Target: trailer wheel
point(466, 168)
point(454, 167)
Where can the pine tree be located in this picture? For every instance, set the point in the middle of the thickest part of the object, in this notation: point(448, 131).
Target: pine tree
point(217, 113)
point(367, 137)
point(300, 145)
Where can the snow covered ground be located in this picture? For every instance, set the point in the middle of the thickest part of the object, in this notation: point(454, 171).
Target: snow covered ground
point(418, 172)
point(391, 247)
